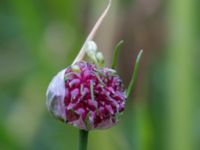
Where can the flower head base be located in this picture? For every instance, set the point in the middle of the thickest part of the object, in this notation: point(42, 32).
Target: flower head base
point(93, 98)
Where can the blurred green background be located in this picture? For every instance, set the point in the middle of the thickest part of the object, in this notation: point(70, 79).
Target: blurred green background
point(39, 38)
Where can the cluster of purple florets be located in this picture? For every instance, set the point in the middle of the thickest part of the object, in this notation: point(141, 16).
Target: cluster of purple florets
point(86, 96)
point(94, 98)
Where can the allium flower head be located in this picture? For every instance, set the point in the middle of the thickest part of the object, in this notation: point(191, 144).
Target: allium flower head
point(86, 96)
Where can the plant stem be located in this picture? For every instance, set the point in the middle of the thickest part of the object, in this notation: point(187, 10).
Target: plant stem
point(83, 138)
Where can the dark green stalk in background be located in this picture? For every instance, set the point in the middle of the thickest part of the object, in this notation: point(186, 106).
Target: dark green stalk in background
point(180, 77)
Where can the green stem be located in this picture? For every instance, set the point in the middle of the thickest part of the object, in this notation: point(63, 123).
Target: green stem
point(83, 139)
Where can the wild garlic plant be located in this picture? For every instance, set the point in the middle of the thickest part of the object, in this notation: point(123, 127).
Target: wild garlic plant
point(88, 94)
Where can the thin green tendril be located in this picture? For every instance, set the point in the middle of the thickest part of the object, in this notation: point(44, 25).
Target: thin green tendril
point(115, 54)
point(135, 74)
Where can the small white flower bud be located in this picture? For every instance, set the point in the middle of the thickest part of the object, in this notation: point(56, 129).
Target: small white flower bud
point(100, 57)
point(90, 47)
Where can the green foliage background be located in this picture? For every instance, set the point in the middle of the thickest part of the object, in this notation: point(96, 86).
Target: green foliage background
point(39, 38)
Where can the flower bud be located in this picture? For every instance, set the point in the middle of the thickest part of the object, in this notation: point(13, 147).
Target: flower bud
point(100, 58)
point(90, 98)
point(90, 47)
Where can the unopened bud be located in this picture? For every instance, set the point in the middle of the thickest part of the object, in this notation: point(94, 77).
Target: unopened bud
point(90, 47)
point(100, 58)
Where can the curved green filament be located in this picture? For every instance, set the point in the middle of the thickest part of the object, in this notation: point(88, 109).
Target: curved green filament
point(92, 90)
point(134, 75)
point(115, 54)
